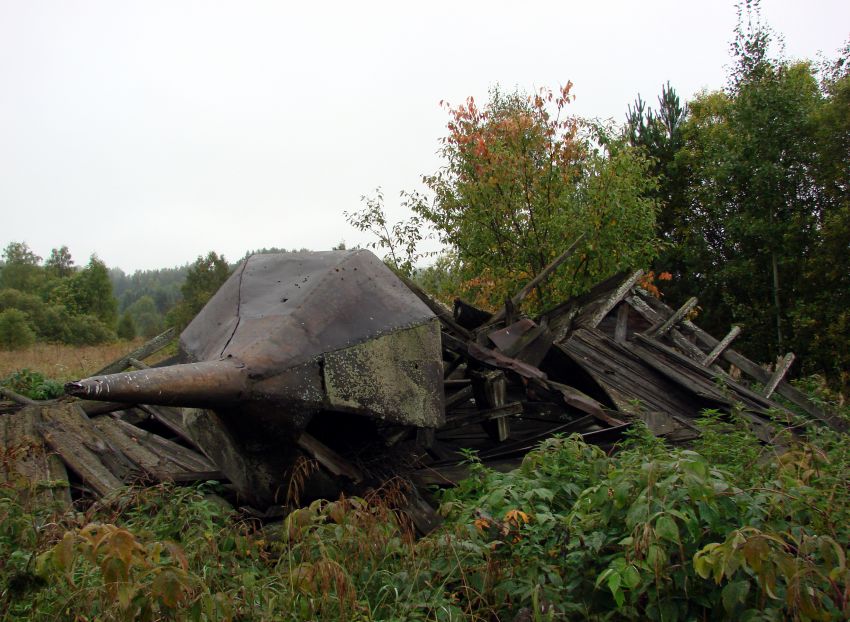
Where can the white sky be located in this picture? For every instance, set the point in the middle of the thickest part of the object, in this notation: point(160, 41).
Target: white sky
point(151, 132)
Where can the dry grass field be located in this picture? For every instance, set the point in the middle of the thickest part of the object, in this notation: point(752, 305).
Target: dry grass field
point(63, 362)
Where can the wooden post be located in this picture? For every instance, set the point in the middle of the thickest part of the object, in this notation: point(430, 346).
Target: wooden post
point(782, 368)
point(724, 343)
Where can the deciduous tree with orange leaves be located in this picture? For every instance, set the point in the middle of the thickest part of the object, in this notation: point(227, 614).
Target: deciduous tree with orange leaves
point(521, 180)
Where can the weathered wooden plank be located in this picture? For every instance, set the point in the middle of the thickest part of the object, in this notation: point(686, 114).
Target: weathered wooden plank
point(27, 464)
point(639, 304)
point(329, 459)
point(70, 421)
point(721, 346)
point(182, 458)
point(704, 383)
point(622, 327)
point(625, 378)
point(141, 456)
point(756, 372)
point(17, 397)
point(609, 303)
point(145, 350)
point(171, 418)
point(782, 368)
point(77, 455)
point(423, 516)
point(459, 396)
point(585, 403)
point(460, 418)
point(674, 319)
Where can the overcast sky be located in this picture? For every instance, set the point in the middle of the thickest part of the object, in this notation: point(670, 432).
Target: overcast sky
point(152, 132)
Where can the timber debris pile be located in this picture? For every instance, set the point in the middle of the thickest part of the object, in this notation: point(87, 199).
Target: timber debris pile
point(312, 374)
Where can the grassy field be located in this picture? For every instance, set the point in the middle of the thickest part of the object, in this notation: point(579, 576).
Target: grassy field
point(65, 362)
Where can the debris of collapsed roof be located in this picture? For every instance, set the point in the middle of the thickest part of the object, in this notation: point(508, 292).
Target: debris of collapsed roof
point(309, 374)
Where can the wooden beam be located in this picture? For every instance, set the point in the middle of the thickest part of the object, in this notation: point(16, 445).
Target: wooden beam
point(621, 330)
point(782, 368)
point(616, 296)
point(721, 346)
point(517, 299)
point(147, 349)
point(329, 459)
point(674, 319)
point(17, 397)
point(653, 317)
point(798, 398)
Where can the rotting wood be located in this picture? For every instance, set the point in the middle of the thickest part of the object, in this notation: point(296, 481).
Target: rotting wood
point(674, 319)
point(721, 346)
point(329, 459)
point(639, 304)
point(757, 373)
point(27, 465)
point(462, 395)
point(182, 457)
point(461, 418)
point(622, 327)
point(609, 303)
point(171, 418)
point(145, 350)
point(82, 461)
point(423, 516)
point(146, 460)
point(17, 397)
point(782, 368)
point(584, 402)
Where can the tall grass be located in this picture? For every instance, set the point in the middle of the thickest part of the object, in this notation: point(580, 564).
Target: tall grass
point(65, 362)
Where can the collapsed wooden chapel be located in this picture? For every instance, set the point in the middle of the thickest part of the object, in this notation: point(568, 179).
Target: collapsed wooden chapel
point(593, 365)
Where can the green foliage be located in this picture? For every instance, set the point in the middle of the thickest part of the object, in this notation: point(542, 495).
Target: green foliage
point(399, 240)
point(20, 268)
point(126, 326)
point(649, 532)
point(33, 385)
point(89, 292)
point(753, 201)
point(203, 279)
point(522, 179)
point(15, 331)
point(60, 263)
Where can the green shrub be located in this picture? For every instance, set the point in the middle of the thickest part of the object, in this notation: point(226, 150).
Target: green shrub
point(88, 330)
point(15, 331)
point(33, 385)
point(126, 327)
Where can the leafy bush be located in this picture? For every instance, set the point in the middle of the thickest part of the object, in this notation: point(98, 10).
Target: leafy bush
point(33, 385)
point(15, 331)
point(647, 533)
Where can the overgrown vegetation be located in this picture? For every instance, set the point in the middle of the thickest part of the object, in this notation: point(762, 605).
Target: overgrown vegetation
point(726, 529)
